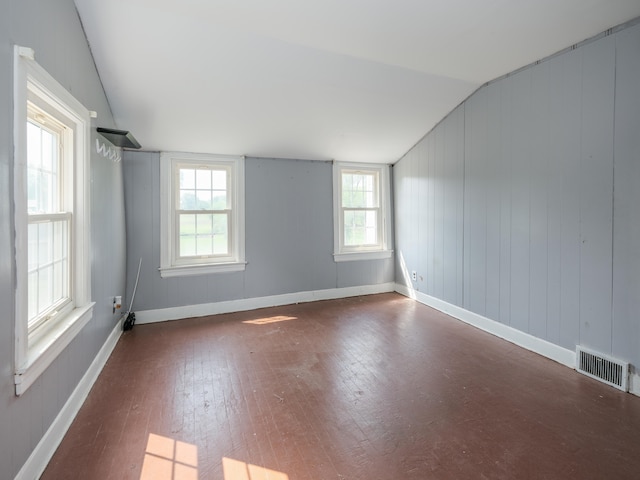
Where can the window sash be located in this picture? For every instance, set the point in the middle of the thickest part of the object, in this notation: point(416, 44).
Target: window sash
point(45, 170)
point(200, 189)
point(357, 225)
point(360, 195)
point(49, 268)
point(49, 227)
point(202, 237)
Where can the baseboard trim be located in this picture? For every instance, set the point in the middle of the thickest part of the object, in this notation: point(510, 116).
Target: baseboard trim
point(241, 305)
point(41, 455)
point(517, 337)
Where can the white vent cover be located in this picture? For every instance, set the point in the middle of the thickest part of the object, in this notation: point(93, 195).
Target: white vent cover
point(602, 367)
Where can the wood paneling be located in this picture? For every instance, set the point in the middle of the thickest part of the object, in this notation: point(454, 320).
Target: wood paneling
point(538, 232)
point(596, 193)
point(626, 258)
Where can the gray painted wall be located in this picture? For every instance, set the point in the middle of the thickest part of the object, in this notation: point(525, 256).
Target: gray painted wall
point(523, 204)
point(53, 29)
point(289, 237)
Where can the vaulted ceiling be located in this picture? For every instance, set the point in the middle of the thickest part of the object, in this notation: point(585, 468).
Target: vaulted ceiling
point(351, 80)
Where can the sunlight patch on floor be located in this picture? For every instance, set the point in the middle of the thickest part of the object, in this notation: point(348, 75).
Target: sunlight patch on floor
point(168, 459)
point(238, 470)
point(267, 320)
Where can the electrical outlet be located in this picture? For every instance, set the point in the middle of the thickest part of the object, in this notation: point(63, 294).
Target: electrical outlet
point(414, 275)
point(117, 303)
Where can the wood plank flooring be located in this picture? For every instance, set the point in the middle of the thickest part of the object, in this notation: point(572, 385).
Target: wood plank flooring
point(374, 387)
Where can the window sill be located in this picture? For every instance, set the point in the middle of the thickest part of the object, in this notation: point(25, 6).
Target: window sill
point(354, 256)
point(50, 344)
point(186, 270)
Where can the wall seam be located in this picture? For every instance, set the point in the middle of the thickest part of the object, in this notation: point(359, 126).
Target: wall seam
point(464, 197)
point(613, 189)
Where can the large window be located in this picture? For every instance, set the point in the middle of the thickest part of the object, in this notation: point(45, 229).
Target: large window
point(361, 206)
point(202, 214)
point(51, 175)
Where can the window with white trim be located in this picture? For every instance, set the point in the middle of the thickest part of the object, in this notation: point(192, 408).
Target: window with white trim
point(51, 198)
point(49, 217)
point(202, 214)
point(361, 209)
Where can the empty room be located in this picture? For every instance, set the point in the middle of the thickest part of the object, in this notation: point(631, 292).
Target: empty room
point(345, 240)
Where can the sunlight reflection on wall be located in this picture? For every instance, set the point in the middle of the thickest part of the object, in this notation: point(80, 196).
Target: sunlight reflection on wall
point(407, 277)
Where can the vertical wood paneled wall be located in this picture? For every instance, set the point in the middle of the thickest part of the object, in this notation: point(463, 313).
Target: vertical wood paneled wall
point(523, 205)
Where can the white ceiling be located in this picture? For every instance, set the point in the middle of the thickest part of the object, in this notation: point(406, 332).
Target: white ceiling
point(350, 80)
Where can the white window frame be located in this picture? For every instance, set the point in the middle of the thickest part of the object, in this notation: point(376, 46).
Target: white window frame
point(36, 350)
point(383, 250)
point(169, 265)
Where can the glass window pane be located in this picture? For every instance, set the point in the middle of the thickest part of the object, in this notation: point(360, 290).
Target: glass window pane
point(371, 233)
point(220, 223)
point(204, 224)
point(42, 171)
point(203, 179)
point(359, 190)
point(369, 200)
point(368, 182)
point(371, 218)
point(46, 200)
point(203, 199)
point(350, 228)
point(346, 181)
point(45, 243)
point(187, 178)
point(59, 240)
point(187, 245)
point(219, 179)
point(221, 234)
point(187, 224)
point(204, 245)
point(187, 231)
point(219, 200)
point(48, 266)
point(221, 244)
point(45, 288)
point(360, 227)
point(188, 200)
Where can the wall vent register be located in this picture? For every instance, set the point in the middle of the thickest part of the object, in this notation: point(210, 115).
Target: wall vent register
point(606, 369)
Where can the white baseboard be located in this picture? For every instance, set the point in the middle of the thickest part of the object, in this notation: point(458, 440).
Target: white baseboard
point(524, 340)
point(241, 305)
point(41, 455)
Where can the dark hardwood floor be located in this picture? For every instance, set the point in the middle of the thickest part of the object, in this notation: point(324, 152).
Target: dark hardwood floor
point(375, 387)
